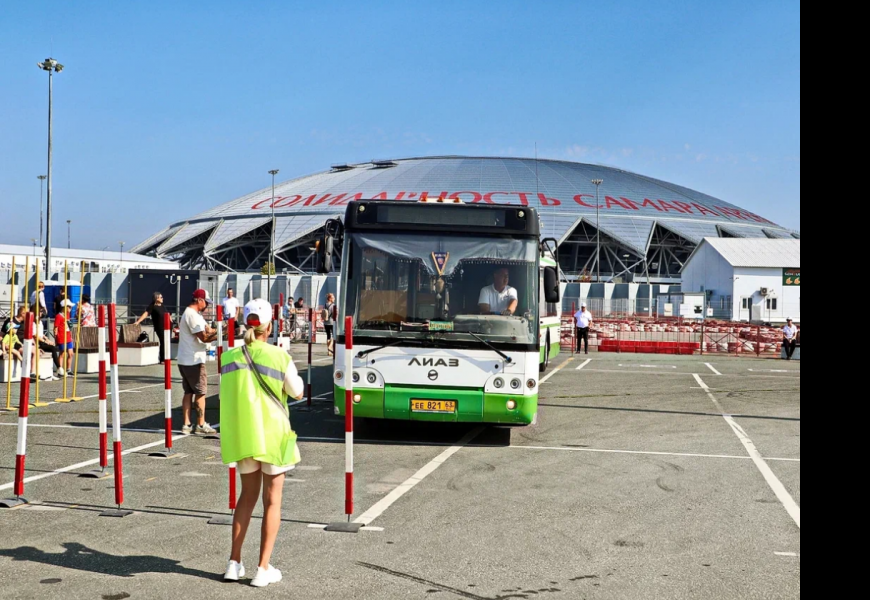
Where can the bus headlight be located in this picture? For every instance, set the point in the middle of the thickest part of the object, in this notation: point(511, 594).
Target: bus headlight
point(339, 375)
point(516, 384)
point(357, 399)
point(355, 377)
point(372, 378)
point(498, 383)
point(531, 383)
point(511, 404)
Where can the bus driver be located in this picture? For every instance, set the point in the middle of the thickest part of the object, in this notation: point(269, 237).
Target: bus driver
point(499, 298)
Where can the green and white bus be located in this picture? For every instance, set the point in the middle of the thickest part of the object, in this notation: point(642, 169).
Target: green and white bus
point(455, 310)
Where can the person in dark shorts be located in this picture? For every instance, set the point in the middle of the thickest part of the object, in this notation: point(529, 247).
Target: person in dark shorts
point(193, 338)
point(157, 312)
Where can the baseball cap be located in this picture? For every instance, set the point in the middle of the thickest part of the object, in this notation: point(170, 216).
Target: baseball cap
point(583, 305)
point(789, 320)
point(257, 312)
point(201, 295)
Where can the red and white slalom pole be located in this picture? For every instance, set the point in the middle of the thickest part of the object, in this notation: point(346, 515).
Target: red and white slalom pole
point(276, 321)
point(311, 332)
point(103, 392)
point(348, 416)
point(116, 416)
point(220, 337)
point(101, 398)
point(23, 408)
point(231, 343)
point(167, 382)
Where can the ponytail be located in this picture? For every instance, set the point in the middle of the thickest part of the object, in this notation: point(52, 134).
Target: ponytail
point(253, 332)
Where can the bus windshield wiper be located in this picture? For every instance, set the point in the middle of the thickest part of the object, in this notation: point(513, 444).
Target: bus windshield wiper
point(388, 325)
point(365, 353)
point(507, 358)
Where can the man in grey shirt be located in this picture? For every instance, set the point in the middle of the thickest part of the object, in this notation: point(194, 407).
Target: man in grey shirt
point(193, 337)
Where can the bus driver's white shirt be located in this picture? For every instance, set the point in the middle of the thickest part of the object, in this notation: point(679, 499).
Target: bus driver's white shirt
point(498, 301)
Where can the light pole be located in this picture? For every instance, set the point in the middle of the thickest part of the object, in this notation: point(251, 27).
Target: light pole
point(41, 179)
point(34, 247)
point(597, 183)
point(271, 264)
point(121, 244)
point(68, 236)
point(52, 66)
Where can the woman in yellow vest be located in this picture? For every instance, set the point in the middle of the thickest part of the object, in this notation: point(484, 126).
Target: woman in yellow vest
point(255, 433)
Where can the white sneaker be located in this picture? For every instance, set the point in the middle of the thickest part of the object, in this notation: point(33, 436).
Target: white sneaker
point(61, 372)
point(266, 576)
point(235, 571)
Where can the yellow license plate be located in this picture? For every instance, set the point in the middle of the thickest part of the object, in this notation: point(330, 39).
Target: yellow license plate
point(433, 406)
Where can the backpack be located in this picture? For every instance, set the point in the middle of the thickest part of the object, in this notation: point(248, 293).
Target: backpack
point(324, 314)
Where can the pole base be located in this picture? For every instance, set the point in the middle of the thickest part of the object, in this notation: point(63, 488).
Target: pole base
point(39, 404)
point(221, 520)
point(13, 502)
point(166, 454)
point(63, 400)
point(96, 474)
point(343, 527)
point(76, 399)
point(118, 514)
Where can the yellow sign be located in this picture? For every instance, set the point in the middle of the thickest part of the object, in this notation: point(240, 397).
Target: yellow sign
point(433, 406)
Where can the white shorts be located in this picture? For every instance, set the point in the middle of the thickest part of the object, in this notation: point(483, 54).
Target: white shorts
point(246, 466)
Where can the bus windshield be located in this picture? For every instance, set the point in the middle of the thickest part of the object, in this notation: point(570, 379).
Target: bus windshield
point(442, 288)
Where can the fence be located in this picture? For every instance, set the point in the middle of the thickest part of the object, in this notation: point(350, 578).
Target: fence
point(677, 336)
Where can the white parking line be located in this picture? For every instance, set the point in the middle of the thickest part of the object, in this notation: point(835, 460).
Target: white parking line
point(623, 372)
point(29, 425)
point(378, 509)
point(712, 369)
point(553, 372)
point(650, 366)
point(580, 367)
point(775, 484)
point(791, 554)
point(642, 452)
point(769, 370)
point(87, 463)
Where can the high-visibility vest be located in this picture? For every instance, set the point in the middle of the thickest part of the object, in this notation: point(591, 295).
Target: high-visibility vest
point(252, 424)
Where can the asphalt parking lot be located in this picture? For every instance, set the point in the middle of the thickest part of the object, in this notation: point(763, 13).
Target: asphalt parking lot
point(646, 477)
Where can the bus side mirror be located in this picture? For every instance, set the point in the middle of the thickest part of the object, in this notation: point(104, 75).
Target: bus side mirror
point(551, 285)
point(323, 250)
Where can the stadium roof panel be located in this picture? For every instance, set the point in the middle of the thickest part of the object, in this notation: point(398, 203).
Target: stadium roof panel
point(230, 230)
point(185, 234)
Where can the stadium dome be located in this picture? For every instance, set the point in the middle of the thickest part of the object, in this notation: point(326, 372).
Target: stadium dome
point(647, 227)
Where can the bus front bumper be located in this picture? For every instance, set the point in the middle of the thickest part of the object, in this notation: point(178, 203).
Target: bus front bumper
point(472, 405)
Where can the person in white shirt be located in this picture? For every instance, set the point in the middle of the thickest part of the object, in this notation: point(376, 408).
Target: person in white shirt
point(583, 321)
point(499, 298)
point(231, 305)
point(40, 289)
point(789, 339)
point(193, 338)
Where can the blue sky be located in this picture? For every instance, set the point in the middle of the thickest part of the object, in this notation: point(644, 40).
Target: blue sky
point(168, 108)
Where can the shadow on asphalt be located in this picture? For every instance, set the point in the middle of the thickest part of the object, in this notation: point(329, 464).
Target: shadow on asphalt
point(81, 558)
point(166, 511)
